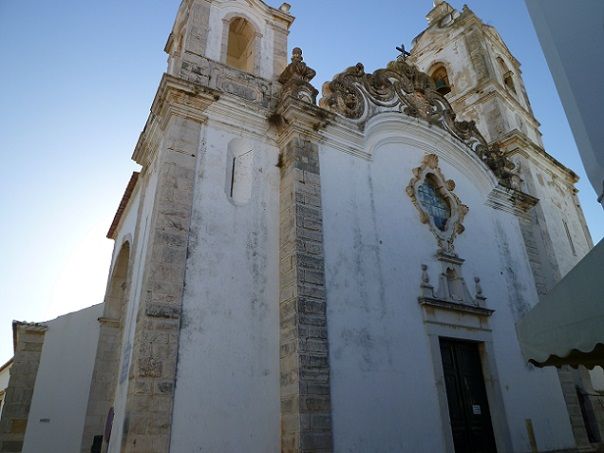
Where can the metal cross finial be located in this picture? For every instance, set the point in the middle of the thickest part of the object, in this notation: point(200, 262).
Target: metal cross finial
point(404, 54)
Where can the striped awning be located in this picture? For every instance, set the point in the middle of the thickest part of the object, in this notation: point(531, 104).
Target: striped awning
point(567, 326)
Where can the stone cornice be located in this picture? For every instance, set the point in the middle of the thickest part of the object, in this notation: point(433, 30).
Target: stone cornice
point(111, 322)
point(174, 97)
point(298, 117)
point(232, 111)
point(511, 200)
point(29, 327)
point(516, 143)
point(433, 303)
point(498, 92)
point(123, 204)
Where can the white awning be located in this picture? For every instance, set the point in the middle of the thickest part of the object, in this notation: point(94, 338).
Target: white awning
point(567, 326)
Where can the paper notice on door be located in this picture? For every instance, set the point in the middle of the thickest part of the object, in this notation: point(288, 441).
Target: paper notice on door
point(476, 409)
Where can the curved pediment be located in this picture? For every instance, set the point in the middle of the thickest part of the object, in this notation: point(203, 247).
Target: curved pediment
point(401, 87)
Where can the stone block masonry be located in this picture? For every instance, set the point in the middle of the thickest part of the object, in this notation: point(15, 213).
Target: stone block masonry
point(148, 418)
point(29, 340)
point(304, 358)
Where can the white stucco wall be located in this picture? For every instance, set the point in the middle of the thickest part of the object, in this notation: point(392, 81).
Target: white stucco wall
point(384, 394)
point(58, 407)
point(227, 389)
point(558, 205)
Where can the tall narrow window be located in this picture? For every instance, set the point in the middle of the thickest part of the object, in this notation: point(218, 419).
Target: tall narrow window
point(233, 169)
point(240, 159)
point(241, 47)
point(570, 238)
point(441, 79)
point(508, 76)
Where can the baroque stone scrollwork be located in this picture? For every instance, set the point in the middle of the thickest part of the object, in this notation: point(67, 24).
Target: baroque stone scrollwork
point(296, 78)
point(449, 224)
point(402, 87)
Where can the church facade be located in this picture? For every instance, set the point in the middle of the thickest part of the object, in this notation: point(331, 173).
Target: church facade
point(343, 272)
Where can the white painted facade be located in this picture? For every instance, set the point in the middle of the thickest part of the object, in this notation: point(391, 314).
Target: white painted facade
point(381, 351)
point(386, 379)
point(58, 406)
point(228, 371)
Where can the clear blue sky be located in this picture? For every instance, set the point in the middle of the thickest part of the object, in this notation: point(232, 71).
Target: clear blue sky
point(78, 78)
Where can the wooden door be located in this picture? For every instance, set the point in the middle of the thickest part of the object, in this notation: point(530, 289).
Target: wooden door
point(466, 394)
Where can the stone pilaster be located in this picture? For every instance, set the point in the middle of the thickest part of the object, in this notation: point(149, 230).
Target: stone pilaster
point(304, 358)
point(175, 128)
point(104, 377)
point(28, 341)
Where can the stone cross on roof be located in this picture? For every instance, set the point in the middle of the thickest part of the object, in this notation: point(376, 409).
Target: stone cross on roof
point(404, 54)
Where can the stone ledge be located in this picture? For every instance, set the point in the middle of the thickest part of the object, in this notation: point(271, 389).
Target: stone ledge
point(453, 306)
point(511, 200)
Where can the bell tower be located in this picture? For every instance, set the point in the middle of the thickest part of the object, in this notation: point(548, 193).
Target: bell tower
point(473, 67)
point(248, 36)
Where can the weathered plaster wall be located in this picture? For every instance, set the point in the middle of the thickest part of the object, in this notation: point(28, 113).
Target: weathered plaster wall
point(58, 407)
point(559, 205)
point(227, 391)
point(383, 384)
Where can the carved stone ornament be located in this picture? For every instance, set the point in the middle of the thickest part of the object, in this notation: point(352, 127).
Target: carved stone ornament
point(402, 87)
point(296, 78)
point(446, 229)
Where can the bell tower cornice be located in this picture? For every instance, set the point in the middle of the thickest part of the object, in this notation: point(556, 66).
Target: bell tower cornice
point(174, 97)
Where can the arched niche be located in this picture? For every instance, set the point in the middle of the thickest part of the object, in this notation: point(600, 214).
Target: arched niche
point(439, 74)
point(241, 44)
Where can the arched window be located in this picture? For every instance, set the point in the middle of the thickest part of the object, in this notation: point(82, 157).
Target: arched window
point(508, 76)
point(441, 79)
point(241, 47)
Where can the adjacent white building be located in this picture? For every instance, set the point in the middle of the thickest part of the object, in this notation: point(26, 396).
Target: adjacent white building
point(4, 378)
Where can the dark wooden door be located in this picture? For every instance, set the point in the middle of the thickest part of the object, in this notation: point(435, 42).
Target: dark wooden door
point(467, 397)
